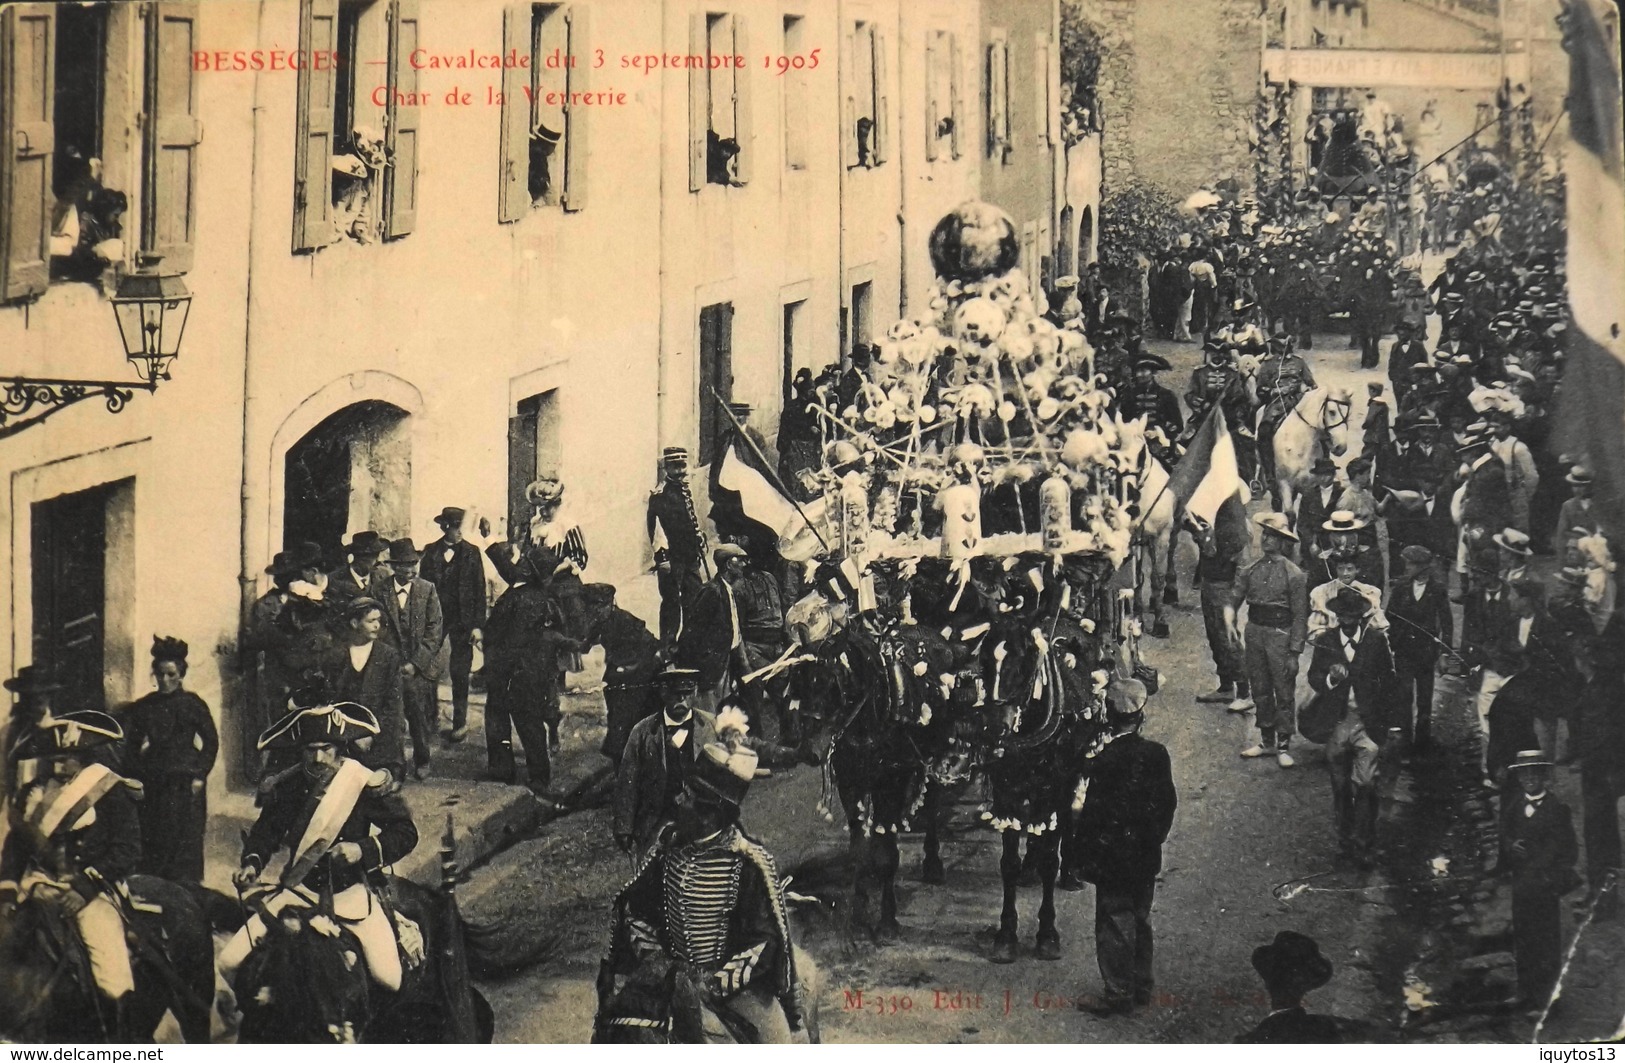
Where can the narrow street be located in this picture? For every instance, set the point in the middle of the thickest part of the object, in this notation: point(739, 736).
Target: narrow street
point(1243, 828)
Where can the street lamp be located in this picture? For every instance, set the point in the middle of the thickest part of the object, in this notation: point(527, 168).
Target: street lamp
point(151, 310)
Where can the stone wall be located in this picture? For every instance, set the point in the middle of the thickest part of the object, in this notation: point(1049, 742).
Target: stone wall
point(1177, 89)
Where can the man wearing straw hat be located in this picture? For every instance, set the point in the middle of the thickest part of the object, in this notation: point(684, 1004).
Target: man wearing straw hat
point(1538, 852)
point(1277, 599)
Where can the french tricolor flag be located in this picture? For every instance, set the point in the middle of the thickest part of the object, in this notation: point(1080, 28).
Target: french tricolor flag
point(1592, 413)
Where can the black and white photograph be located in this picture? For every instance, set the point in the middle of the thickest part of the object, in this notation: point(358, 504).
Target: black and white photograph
point(894, 522)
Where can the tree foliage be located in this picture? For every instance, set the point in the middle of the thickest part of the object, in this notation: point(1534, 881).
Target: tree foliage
point(1136, 221)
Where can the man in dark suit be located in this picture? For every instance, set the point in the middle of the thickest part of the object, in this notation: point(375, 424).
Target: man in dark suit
point(1354, 668)
point(1292, 967)
point(524, 642)
point(367, 671)
point(712, 643)
point(1406, 352)
point(453, 565)
point(414, 626)
point(1601, 712)
point(631, 659)
point(1487, 497)
point(1316, 505)
point(353, 579)
point(1538, 851)
point(659, 752)
point(1125, 818)
point(1420, 627)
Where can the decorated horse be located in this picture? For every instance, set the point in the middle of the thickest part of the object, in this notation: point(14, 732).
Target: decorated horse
point(1045, 672)
point(306, 982)
point(879, 702)
point(1156, 529)
point(46, 989)
point(1317, 427)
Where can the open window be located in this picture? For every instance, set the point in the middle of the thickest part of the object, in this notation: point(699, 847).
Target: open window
point(356, 154)
point(866, 103)
point(943, 133)
point(720, 128)
point(998, 96)
point(98, 109)
point(544, 133)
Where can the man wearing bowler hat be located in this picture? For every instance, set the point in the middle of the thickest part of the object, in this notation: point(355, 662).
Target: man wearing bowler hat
point(454, 566)
point(414, 627)
point(1353, 667)
point(1422, 628)
point(1538, 852)
point(1292, 967)
point(353, 578)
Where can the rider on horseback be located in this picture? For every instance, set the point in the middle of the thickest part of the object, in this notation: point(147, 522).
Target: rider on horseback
point(1281, 380)
point(325, 816)
point(700, 949)
point(74, 836)
point(1158, 405)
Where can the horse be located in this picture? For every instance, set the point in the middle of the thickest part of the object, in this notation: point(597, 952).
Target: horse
point(882, 727)
point(1155, 533)
point(46, 991)
point(305, 981)
point(1042, 722)
point(1317, 427)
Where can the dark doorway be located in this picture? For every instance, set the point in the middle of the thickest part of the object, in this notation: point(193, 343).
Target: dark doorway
point(716, 374)
point(1086, 238)
point(534, 450)
point(70, 549)
point(350, 473)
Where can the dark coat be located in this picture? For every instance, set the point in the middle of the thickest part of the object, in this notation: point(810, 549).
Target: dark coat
point(1127, 812)
point(1550, 849)
point(1312, 513)
point(1415, 525)
point(1487, 501)
point(651, 774)
point(417, 633)
point(1371, 678)
point(287, 813)
point(378, 686)
point(1431, 614)
point(630, 649)
point(343, 587)
point(169, 734)
point(111, 846)
point(708, 635)
point(459, 582)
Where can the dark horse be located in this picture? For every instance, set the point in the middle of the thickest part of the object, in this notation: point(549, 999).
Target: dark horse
point(878, 705)
point(306, 981)
point(46, 990)
point(1042, 719)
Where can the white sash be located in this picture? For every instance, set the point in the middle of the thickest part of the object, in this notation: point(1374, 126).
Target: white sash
point(334, 808)
point(74, 799)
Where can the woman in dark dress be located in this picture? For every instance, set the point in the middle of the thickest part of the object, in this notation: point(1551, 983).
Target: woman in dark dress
point(170, 744)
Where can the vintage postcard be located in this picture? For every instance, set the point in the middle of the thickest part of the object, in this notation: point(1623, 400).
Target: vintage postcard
point(833, 521)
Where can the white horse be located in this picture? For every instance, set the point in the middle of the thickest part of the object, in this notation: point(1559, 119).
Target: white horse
point(1154, 531)
point(1317, 427)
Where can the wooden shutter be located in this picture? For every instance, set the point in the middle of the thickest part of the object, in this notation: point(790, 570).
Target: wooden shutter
point(998, 100)
point(849, 108)
point(513, 175)
point(27, 141)
point(313, 123)
point(932, 89)
point(793, 84)
point(1041, 89)
point(699, 103)
point(956, 95)
point(744, 113)
point(401, 123)
point(882, 97)
point(169, 217)
point(578, 78)
point(710, 348)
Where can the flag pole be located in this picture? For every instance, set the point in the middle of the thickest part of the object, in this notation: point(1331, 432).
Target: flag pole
point(767, 466)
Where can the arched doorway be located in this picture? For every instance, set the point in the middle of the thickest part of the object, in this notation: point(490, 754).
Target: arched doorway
point(353, 471)
point(1086, 237)
point(1065, 259)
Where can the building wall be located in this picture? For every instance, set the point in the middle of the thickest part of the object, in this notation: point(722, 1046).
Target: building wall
point(1024, 177)
point(457, 322)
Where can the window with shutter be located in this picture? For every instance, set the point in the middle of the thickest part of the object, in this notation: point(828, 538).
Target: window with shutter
point(744, 120)
point(793, 84)
point(1041, 89)
point(863, 97)
point(576, 118)
point(998, 96)
point(514, 176)
point(956, 96)
point(699, 105)
point(27, 140)
point(882, 99)
point(313, 148)
point(401, 122)
point(169, 214)
point(933, 80)
point(715, 374)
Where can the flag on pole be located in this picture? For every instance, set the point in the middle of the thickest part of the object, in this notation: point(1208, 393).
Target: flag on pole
point(761, 503)
point(1591, 415)
point(1207, 482)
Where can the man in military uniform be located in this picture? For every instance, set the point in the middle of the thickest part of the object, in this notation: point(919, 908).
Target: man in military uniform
point(1217, 382)
point(74, 836)
point(678, 544)
point(1157, 404)
point(1277, 600)
point(341, 826)
point(1282, 379)
point(700, 949)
